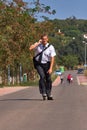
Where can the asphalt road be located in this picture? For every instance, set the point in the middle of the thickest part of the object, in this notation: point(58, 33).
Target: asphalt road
point(25, 109)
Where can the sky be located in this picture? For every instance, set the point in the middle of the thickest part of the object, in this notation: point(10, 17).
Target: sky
point(66, 8)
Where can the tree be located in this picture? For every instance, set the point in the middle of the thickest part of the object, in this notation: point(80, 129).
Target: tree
point(37, 9)
point(18, 30)
point(70, 61)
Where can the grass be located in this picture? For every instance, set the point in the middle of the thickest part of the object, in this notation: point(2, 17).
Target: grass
point(85, 72)
point(30, 83)
point(1, 85)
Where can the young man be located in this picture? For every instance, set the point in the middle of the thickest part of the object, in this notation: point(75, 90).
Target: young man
point(44, 66)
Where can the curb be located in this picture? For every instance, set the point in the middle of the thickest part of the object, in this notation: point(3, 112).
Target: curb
point(56, 81)
point(82, 80)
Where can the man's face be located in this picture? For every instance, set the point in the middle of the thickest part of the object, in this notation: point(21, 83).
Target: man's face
point(45, 40)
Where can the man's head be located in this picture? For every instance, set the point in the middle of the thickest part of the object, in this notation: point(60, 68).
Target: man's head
point(44, 39)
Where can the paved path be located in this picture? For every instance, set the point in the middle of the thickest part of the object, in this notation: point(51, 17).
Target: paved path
point(25, 109)
point(8, 90)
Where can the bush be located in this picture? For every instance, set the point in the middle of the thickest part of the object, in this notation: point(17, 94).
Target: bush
point(85, 72)
point(1, 86)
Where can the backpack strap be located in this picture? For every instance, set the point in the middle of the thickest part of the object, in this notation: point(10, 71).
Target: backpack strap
point(41, 51)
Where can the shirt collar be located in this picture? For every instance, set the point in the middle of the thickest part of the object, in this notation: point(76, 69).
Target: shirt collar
point(46, 45)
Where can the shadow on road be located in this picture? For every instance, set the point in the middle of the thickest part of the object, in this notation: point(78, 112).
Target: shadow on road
point(20, 100)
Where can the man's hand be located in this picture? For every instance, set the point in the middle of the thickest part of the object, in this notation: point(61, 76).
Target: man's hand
point(35, 45)
point(40, 41)
point(49, 71)
point(51, 65)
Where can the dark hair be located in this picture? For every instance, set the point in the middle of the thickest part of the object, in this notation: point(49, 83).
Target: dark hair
point(44, 35)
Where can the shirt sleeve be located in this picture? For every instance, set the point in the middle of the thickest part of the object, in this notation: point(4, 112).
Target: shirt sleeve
point(52, 50)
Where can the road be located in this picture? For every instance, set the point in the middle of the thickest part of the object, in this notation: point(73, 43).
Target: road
point(25, 109)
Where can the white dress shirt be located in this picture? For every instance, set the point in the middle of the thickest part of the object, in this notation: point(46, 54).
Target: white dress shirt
point(47, 54)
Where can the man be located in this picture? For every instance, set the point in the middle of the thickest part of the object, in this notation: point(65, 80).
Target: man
point(45, 66)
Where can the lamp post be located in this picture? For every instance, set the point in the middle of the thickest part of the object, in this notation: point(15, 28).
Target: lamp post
point(85, 53)
point(85, 36)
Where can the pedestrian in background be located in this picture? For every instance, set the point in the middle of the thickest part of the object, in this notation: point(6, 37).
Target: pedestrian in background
point(61, 78)
point(43, 63)
point(69, 78)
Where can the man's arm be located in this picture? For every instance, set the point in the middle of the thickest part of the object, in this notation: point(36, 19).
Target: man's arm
point(33, 46)
point(51, 65)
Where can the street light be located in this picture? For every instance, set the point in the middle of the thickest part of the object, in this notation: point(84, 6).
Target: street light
point(85, 53)
point(85, 36)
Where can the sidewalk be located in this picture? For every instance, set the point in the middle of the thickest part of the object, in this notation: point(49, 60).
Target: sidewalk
point(8, 90)
point(56, 81)
point(82, 80)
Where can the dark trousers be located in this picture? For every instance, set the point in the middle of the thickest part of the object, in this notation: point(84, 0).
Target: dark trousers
point(45, 83)
point(69, 80)
point(61, 80)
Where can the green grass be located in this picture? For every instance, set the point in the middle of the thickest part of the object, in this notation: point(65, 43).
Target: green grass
point(30, 83)
point(1, 85)
point(85, 72)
